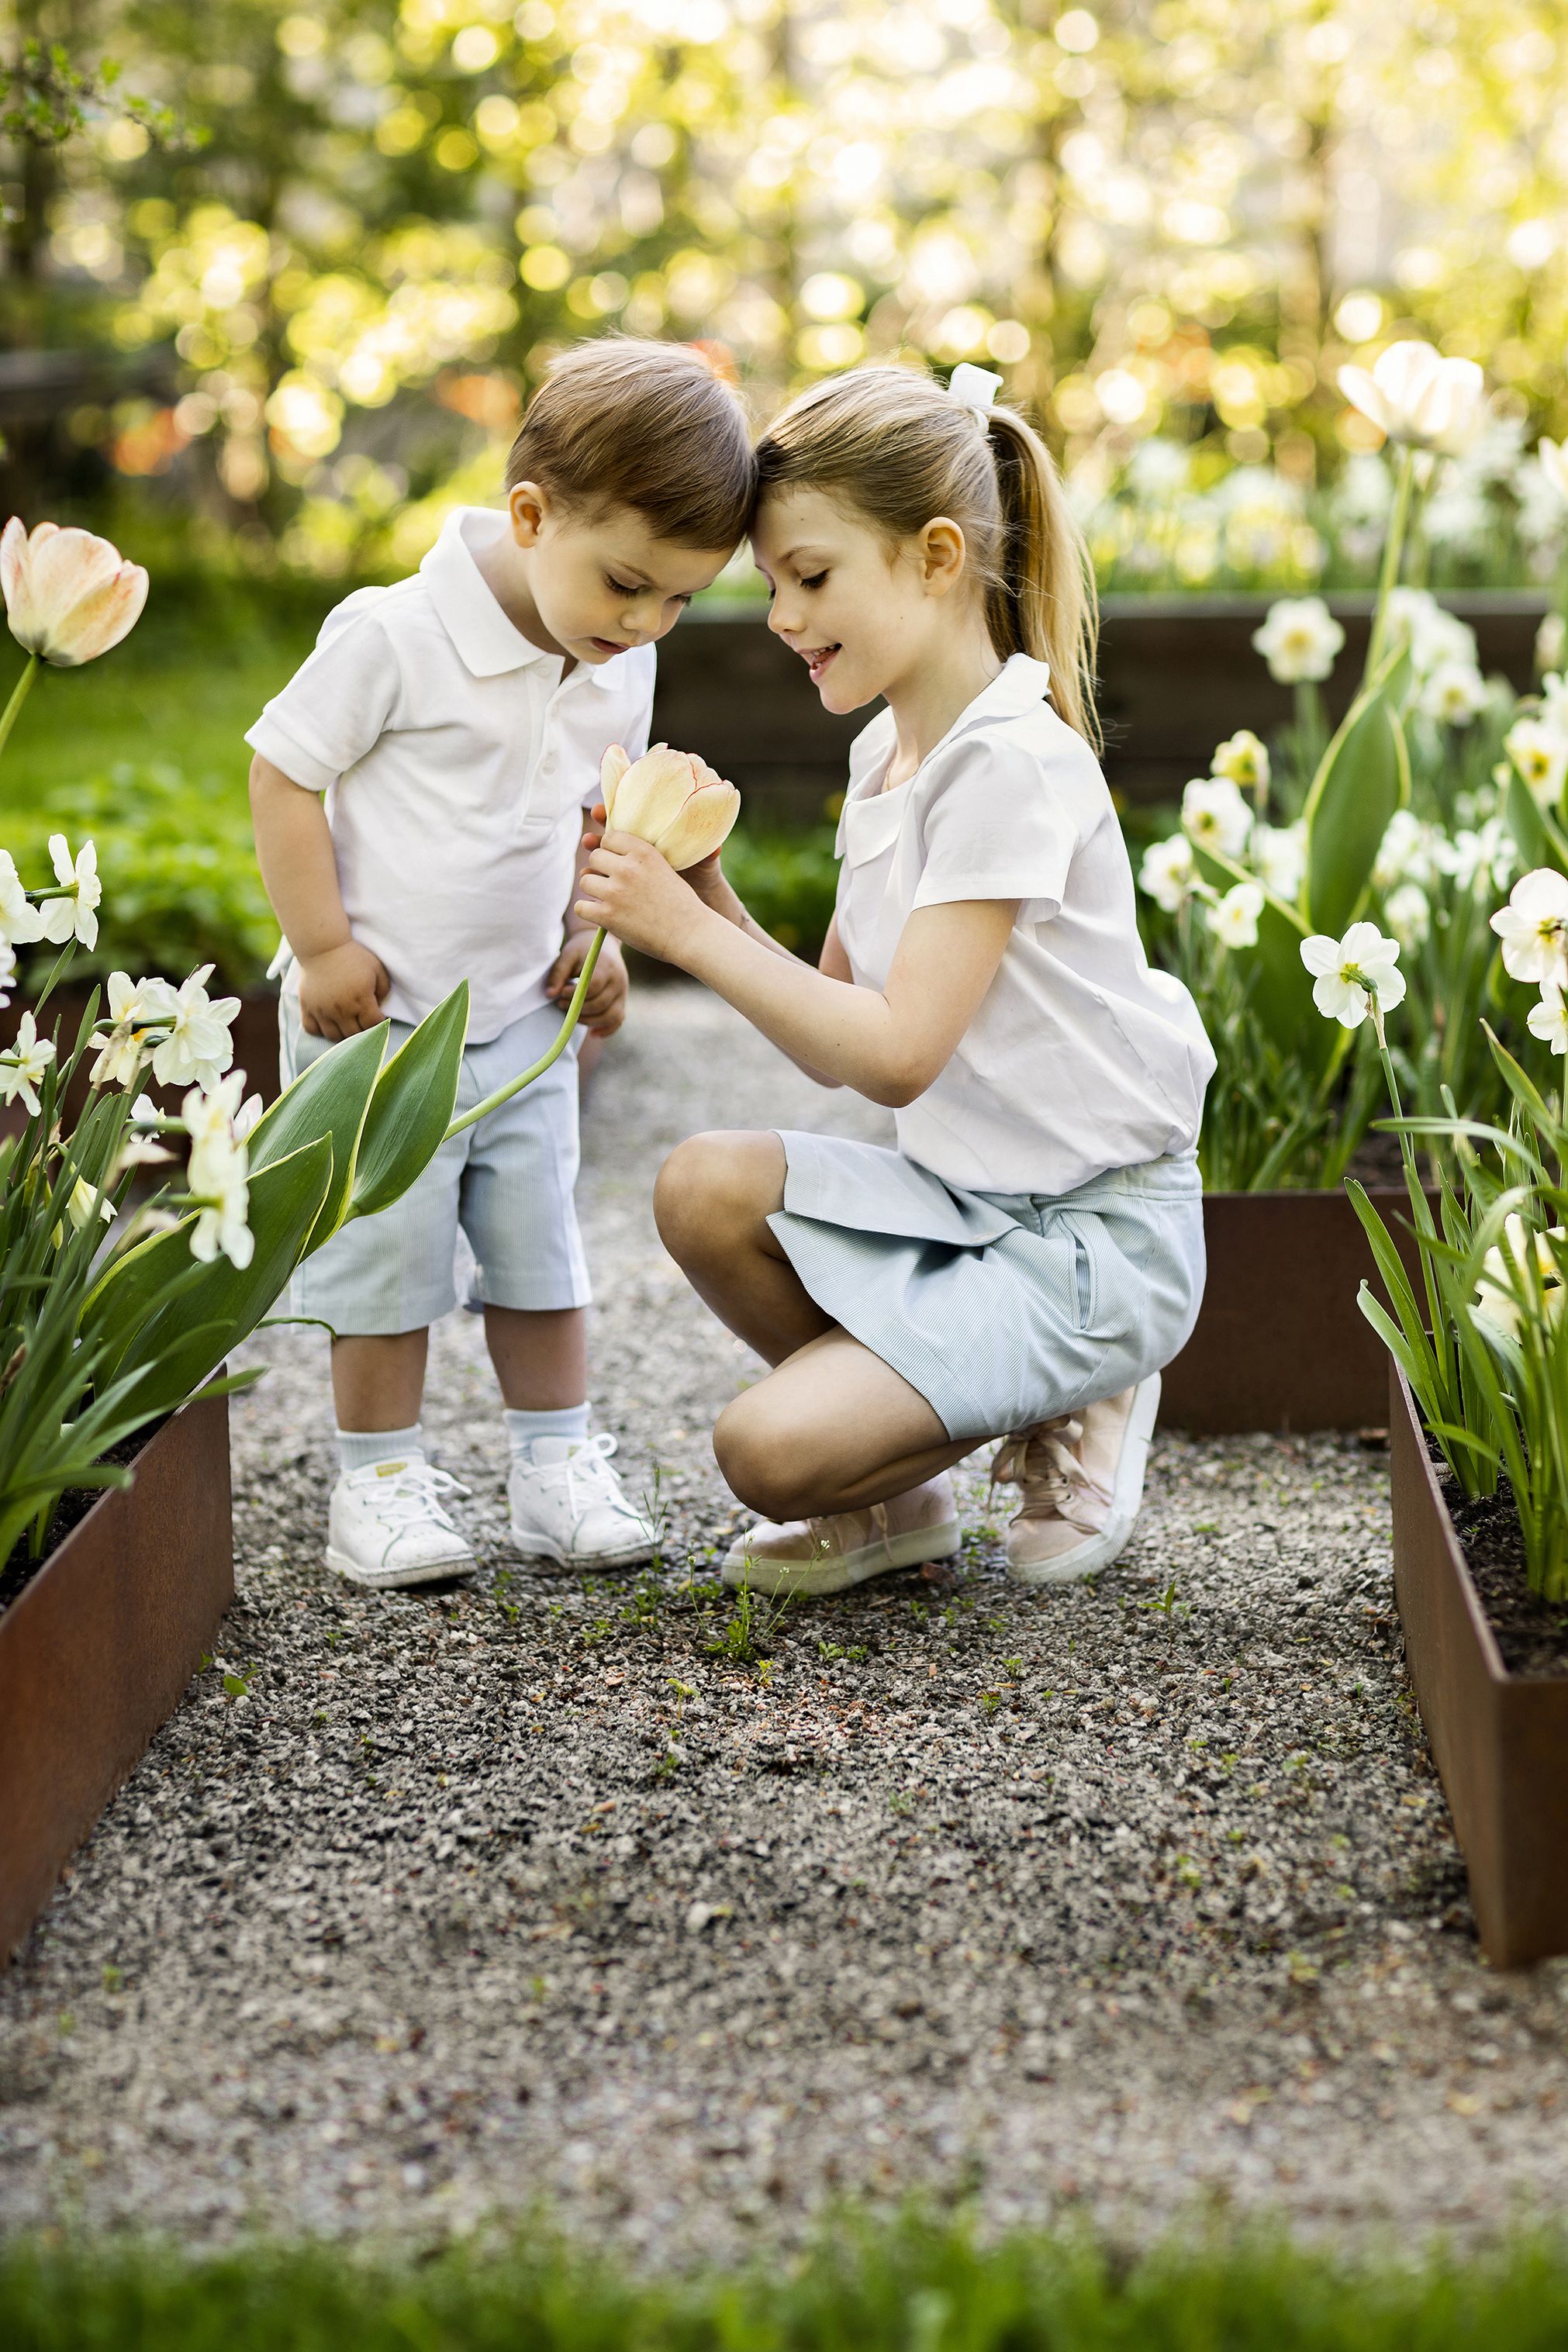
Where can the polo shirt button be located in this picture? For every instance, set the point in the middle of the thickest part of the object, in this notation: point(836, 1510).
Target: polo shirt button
point(547, 766)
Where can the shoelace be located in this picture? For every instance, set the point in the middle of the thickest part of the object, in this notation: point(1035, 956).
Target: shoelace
point(1041, 1462)
point(586, 1465)
point(413, 1494)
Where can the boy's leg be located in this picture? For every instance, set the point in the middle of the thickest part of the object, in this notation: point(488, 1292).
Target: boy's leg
point(540, 1356)
point(387, 1523)
point(378, 1379)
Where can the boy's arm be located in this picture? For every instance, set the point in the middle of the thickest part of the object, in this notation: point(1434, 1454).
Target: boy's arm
point(605, 1006)
point(341, 982)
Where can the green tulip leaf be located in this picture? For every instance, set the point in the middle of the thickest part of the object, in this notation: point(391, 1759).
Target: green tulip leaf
point(329, 1098)
point(1281, 986)
point(411, 1108)
point(1364, 777)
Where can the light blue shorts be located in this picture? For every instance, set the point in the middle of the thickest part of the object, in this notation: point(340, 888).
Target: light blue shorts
point(506, 1183)
point(1003, 1309)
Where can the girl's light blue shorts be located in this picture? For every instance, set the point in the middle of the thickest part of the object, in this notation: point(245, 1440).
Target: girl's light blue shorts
point(506, 1183)
point(1001, 1309)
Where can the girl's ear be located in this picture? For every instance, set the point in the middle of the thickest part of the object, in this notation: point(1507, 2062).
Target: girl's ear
point(528, 506)
point(942, 554)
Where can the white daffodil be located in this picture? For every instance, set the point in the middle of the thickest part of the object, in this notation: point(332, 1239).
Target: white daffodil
point(1484, 854)
point(1455, 692)
point(1539, 753)
point(19, 918)
point(1435, 636)
point(135, 1008)
point(1549, 1019)
point(1299, 640)
point(1216, 816)
point(7, 970)
point(1554, 699)
point(1244, 760)
point(74, 913)
point(1409, 914)
point(217, 1175)
point(23, 1064)
point(1279, 853)
point(1232, 919)
point(198, 1048)
point(1410, 851)
point(1420, 398)
point(1506, 1284)
point(1167, 872)
point(84, 1203)
point(1355, 976)
point(1533, 927)
point(1551, 642)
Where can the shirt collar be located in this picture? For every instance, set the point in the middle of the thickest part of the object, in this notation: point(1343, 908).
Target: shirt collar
point(1020, 685)
point(486, 640)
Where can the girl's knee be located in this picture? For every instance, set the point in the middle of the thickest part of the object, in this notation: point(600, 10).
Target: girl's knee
point(754, 1456)
point(713, 1188)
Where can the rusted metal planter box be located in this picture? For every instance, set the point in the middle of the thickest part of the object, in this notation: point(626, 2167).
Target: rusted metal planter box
point(1500, 1740)
point(1280, 1342)
point(95, 1653)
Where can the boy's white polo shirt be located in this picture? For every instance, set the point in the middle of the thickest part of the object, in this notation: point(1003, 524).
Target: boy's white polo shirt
point(456, 762)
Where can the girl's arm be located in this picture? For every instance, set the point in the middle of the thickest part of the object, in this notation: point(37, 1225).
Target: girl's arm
point(341, 983)
point(887, 1044)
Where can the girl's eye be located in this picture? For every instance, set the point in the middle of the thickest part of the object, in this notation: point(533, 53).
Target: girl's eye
point(815, 581)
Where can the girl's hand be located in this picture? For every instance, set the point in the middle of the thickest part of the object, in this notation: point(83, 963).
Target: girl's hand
point(605, 1006)
point(627, 886)
point(706, 878)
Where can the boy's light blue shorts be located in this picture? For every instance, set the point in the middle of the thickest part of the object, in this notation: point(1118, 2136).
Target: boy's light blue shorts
point(506, 1183)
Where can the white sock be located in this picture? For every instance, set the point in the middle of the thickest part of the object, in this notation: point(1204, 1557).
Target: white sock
point(358, 1448)
point(523, 1428)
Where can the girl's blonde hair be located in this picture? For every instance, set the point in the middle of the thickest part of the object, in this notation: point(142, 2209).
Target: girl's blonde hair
point(896, 445)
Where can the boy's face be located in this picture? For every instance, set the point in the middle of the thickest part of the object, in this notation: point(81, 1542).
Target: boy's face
point(599, 579)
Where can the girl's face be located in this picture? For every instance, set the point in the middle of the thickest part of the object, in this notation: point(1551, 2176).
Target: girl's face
point(861, 615)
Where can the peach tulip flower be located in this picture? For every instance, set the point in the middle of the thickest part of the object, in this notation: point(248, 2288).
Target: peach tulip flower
point(69, 595)
point(672, 799)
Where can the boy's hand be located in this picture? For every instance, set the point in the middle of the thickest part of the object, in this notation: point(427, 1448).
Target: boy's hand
point(341, 992)
point(605, 1006)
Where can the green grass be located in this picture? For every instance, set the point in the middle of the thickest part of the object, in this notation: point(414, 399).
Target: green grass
point(910, 2288)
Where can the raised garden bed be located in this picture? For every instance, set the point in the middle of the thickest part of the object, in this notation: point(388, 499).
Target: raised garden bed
point(97, 1648)
point(1499, 1733)
point(1280, 1342)
point(255, 1045)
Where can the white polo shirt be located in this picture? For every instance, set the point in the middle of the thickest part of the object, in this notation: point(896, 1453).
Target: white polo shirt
point(456, 763)
point(1081, 1058)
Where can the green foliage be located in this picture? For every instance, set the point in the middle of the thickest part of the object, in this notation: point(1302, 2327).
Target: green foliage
point(789, 881)
point(1364, 777)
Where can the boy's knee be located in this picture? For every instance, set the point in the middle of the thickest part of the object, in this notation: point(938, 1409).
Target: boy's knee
point(753, 1462)
point(711, 1187)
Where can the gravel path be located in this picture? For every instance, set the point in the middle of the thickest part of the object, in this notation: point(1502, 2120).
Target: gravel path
point(1112, 1901)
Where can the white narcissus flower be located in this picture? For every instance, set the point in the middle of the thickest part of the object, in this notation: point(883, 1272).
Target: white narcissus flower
point(1434, 635)
point(1232, 919)
point(218, 1176)
point(1279, 853)
point(1299, 640)
point(1539, 753)
point(198, 1048)
point(1244, 760)
point(1216, 816)
point(7, 970)
point(1549, 1019)
point(69, 595)
point(1167, 872)
point(19, 918)
point(1554, 696)
point(1355, 976)
point(74, 914)
point(672, 799)
point(1454, 692)
point(84, 1198)
point(134, 1008)
point(1506, 1287)
point(1551, 642)
point(1533, 927)
point(1410, 851)
point(23, 1064)
point(1417, 397)
point(1486, 854)
point(1408, 913)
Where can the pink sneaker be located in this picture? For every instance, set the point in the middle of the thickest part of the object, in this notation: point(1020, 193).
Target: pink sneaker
point(824, 1555)
point(1082, 1481)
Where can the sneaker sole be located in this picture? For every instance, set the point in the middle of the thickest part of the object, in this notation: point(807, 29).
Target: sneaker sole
point(913, 1550)
point(533, 1546)
point(395, 1580)
point(1126, 1500)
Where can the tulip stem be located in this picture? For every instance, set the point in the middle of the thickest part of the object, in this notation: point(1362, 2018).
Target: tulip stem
point(19, 696)
point(537, 1069)
point(1393, 554)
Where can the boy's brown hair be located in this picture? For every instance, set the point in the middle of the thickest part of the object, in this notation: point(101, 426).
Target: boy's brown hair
point(624, 422)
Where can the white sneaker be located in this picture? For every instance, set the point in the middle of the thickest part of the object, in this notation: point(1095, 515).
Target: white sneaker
point(567, 1505)
point(385, 1525)
point(1082, 1477)
point(844, 1547)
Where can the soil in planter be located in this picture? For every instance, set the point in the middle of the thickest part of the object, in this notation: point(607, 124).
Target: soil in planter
point(1531, 1633)
point(70, 1512)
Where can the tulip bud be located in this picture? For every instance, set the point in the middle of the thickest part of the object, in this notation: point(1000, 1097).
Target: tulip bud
point(69, 595)
point(673, 800)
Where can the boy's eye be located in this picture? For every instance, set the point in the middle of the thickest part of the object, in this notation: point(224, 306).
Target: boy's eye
point(815, 581)
point(620, 587)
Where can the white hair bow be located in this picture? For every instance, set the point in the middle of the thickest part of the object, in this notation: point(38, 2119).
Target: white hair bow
point(974, 388)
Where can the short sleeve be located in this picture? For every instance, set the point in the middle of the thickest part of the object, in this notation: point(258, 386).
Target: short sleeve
point(1002, 823)
point(338, 705)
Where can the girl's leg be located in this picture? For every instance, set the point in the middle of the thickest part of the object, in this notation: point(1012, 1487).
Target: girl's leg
point(712, 1201)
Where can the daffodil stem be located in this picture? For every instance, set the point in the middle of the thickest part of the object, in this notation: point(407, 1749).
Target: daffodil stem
point(537, 1069)
point(1392, 554)
point(19, 696)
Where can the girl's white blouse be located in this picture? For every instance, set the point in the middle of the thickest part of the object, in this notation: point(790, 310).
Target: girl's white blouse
point(1080, 1059)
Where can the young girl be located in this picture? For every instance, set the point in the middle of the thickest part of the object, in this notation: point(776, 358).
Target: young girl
point(1031, 1254)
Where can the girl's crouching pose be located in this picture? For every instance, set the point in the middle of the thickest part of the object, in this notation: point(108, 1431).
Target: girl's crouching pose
point(1031, 1254)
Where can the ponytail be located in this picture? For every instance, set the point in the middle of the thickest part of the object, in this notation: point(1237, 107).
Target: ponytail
point(896, 445)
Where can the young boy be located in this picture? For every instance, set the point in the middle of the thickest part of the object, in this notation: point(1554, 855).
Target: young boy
point(455, 724)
